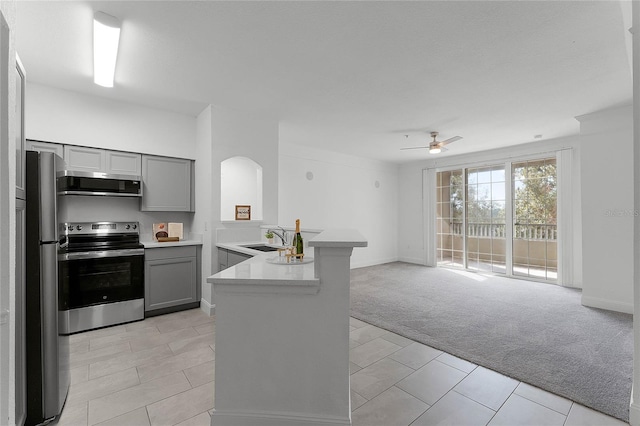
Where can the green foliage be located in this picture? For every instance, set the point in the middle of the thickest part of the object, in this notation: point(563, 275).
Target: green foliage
point(535, 192)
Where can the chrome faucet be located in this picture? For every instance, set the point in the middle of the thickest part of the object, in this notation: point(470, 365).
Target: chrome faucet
point(282, 234)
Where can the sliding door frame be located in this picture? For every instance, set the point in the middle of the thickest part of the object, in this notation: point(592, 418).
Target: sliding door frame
point(508, 234)
point(564, 205)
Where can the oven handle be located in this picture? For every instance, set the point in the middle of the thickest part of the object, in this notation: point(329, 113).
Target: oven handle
point(100, 254)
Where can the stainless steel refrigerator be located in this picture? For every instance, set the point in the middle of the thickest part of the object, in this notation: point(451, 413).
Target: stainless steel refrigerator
point(47, 351)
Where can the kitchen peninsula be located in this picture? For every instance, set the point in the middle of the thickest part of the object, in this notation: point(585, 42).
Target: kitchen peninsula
point(282, 338)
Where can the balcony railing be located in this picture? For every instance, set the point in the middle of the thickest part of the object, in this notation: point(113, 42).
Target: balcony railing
point(495, 230)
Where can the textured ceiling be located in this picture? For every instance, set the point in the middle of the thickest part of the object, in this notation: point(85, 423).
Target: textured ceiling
point(354, 77)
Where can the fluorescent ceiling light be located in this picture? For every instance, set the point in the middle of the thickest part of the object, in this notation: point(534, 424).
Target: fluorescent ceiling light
point(106, 35)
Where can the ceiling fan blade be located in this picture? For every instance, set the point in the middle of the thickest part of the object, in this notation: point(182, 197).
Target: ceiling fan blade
point(448, 141)
point(415, 147)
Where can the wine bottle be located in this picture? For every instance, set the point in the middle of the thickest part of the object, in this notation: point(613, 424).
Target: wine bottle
point(297, 240)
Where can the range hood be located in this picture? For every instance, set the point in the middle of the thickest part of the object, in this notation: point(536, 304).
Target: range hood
point(71, 182)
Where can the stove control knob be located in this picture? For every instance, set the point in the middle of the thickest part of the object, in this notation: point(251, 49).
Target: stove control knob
point(134, 226)
point(70, 227)
point(79, 227)
point(127, 226)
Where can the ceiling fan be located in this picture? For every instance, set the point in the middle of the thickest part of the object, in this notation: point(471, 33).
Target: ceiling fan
point(436, 147)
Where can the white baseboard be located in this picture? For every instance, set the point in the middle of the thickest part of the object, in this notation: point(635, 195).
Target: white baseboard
point(412, 260)
point(207, 308)
point(263, 418)
point(374, 262)
point(610, 305)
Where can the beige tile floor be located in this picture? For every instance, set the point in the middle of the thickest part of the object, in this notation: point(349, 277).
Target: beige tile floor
point(160, 371)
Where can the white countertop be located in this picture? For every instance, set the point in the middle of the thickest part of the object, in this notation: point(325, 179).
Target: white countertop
point(264, 277)
point(155, 244)
point(257, 268)
point(256, 275)
point(339, 238)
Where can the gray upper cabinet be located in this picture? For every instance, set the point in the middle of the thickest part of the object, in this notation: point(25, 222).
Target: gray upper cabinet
point(39, 146)
point(167, 184)
point(123, 163)
point(84, 159)
point(20, 143)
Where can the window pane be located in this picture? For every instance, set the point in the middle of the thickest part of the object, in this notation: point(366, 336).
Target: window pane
point(450, 213)
point(498, 191)
point(497, 175)
point(484, 176)
point(484, 191)
point(534, 218)
point(472, 177)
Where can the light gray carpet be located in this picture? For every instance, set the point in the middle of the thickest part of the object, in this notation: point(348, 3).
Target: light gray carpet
point(534, 332)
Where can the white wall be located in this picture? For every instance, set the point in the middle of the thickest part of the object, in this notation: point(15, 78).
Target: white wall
point(221, 134)
point(57, 115)
point(203, 216)
point(78, 208)
point(241, 184)
point(342, 194)
point(238, 133)
point(608, 211)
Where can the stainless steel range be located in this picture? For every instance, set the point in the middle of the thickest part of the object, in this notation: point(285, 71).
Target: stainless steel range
point(101, 275)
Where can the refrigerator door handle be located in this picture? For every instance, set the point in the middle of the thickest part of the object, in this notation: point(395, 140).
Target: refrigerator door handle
point(48, 197)
point(50, 347)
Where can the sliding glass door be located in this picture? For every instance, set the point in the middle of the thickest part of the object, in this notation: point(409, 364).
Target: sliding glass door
point(486, 219)
point(535, 230)
point(450, 218)
point(499, 218)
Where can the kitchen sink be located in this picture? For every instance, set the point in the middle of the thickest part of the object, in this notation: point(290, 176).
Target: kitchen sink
point(261, 247)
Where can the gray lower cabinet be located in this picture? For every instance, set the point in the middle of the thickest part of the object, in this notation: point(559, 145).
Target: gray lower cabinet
point(228, 258)
point(171, 279)
point(223, 259)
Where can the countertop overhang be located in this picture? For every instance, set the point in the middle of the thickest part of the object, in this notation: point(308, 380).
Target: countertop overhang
point(256, 275)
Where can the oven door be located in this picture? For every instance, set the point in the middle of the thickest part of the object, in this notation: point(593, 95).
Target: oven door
point(98, 277)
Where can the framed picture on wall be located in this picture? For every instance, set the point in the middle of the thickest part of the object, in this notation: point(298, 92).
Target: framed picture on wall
point(243, 212)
